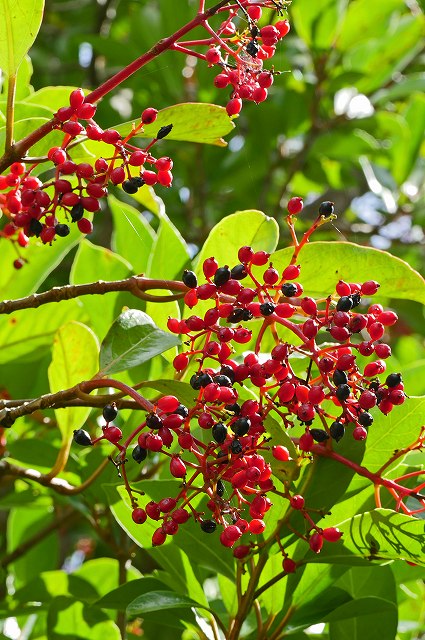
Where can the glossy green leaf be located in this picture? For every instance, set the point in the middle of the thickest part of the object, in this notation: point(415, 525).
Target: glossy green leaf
point(251, 228)
point(192, 122)
point(385, 534)
point(42, 260)
point(93, 263)
point(365, 20)
point(366, 607)
point(26, 335)
point(133, 237)
point(352, 263)
point(132, 340)
point(74, 359)
point(18, 29)
point(158, 601)
point(400, 428)
point(169, 253)
point(123, 595)
point(405, 151)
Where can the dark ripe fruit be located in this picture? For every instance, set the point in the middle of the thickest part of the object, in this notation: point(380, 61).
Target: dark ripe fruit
point(36, 227)
point(189, 278)
point(181, 410)
point(344, 304)
point(82, 438)
point(222, 380)
point(393, 379)
point(233, 408)
point(238, 272)
point(208, 526)
point(236, 316)
point(326, 208)
point(289, 289)
point(236, 447)
point(339, 377)
point(153, 421)
point(365, 419)
point(241, 426)
point(355, 299)
point(221, 276)
point(267, 308)
point(227, 370)
point(219, 432)
point(337, 431)
point(132, 185)
point(342, 392)
point(164, 131)
point(195, 381)
point(110, 412)
point(319, 435)
point(219, 489)
point(77, 212)
point(139, 454)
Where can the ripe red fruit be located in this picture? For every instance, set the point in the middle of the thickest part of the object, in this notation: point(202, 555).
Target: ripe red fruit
point(283, 27)
point(149, 115)
point(76, 98)
point(289, 565)
point(331, 534)
point(180, 516)
point(113, 434)
point(158, 538)
point(373, 369)
point(387, 318)
point(306, 442)
point(370, 287)
point(316, 542)
point(241, 551)
point(177, 467)
point(167, 504)
point(153, 510)
point(212, 56)
point(257, 526)
point(139, 516)
point(234, 106)
point(254, 12)
point(297, 502)
point(359, 433)
point(294, 206)
point(168, 404)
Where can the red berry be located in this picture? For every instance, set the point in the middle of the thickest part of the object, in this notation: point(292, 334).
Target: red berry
point(113, 434)
point(331, 534)
point(158, 538)
point(260, 258)
point(370, 287)
point(153, 510)
point(139, 516)
point(289, 565)
point(111, 136)
point(295, 206)
point(85, 225)
point(149, 115)
point(254, 12)
point(283, 27)
point(241, 551)
point(234, 106)
point(316, 542)
point(387, 318)
point(168, 404)
point(177, 467)
point(212, 56)
point(359, 433)
point(76, 98)
point(280, 453)
point(297, 502)
point(257, 526)
point(373, 369)
point(180, 516)
point(167, 504)
point(86, 111)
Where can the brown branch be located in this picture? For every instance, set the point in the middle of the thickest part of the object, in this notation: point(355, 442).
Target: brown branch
point(137, 285)
point(56, 484)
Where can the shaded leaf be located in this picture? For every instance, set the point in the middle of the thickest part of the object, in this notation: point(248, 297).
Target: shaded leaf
point(132, 340)
point(158, 601)
point(18, 29)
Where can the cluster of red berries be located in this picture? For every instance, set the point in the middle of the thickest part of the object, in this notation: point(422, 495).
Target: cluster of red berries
point(241, 54)
point(44, 208)
point(223, 439)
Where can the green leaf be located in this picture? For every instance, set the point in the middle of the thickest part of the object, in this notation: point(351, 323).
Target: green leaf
point(133, 237)
point(27, 335)
point(406, 149)
point(50, 584)
point(70, 620)
point(103, 575)
point(384, 534)
point(316, 22)
point(397, 430)
point(192, 122)
point(182, 390)
point(18, 29)
point(365, 607)
point(24, 127)
point(74, 359)
point(324, 263)
point(132, 340)
point(169, 252)
point(93, 263)
point(365, 20)
point(120, 597)
point(41, 262)
point(251, 228)
point(158, 601)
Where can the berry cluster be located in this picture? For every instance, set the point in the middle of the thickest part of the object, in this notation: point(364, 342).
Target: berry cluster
point(225, 450)
point(241, 55)
point(44, 208)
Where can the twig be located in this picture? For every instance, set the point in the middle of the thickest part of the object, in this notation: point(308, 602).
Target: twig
point(137, 285)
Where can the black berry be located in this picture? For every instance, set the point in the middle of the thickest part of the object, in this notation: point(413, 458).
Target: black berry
point(289, 289)
point(241, 426)
point(82, 438)
point(345, 303)
point(221, 276)
point(222, 380)
point(62, 230)
point(326, 208)
point(77, 212)
point(236, 316)
point(393, 379)
point(139, 454)
point(267, 308)
point(339, 377)
point(219, 488)
point(164, 131)
point(337, 430)
point(189, 278)
point(208, 526)
point(236, 447)
point(153, 421)
point(219, 432)
point(319, 435)
point(182, 411)
point(36, 227)
point(342, 392)
point(239, 272)
point(110, 412)
point(365, 419)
